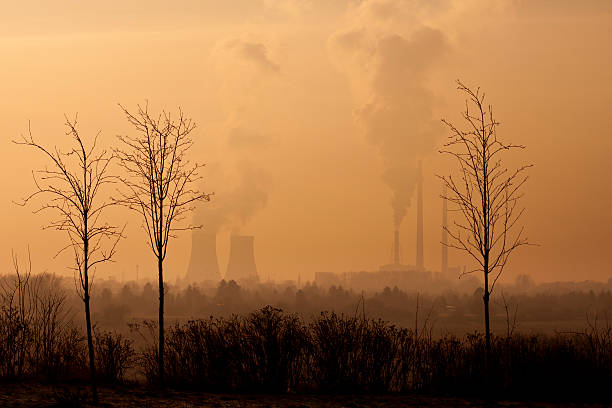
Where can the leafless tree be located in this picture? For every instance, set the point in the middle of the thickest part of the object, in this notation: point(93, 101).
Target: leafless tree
point(485, 194)
point(17, 314)
point(158, 183)
point(71, 189)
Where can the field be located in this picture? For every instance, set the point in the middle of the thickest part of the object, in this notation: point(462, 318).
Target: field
point(41, 395)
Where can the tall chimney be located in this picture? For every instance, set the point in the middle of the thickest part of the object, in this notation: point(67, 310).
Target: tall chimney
point(241, 265)
point(444, 232)
point(203, 264)
point(396, 248)
point(419, 247)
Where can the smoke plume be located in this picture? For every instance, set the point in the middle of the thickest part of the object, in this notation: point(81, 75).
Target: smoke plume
point(395, 108)
point(240, 192)
point(238, 178)
point(254, 53)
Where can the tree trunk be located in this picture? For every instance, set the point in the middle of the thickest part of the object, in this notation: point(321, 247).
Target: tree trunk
point(485, 299)
point(92, 361)
point(161, 320)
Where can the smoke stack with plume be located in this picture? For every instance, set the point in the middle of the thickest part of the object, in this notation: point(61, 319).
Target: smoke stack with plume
point(396, 112)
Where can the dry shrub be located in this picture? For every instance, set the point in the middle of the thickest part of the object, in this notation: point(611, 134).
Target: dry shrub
point(269, 351)
point(566, 366)
point(276, 346)
point(273, 352)
point(262, 352)
point(146, 358)
point(37, 334)
point(114, 356)
point(351, 354)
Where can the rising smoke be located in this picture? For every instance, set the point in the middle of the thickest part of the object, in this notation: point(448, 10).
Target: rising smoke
point(241, 190)
point(238, 178)
point(395, 108)
point(254, 53)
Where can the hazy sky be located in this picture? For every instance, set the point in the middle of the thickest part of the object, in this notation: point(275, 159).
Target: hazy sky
point(312, 115)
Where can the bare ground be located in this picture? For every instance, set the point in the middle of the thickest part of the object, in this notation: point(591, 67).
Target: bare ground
point(41, 395)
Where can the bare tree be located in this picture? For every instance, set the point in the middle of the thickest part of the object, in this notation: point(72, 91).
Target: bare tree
point(486, 194)
point(158, 184)
point(17, 314)
point(71, 186)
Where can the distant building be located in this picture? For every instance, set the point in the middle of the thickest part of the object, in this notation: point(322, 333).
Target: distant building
point(203, 265)
point(241, 265)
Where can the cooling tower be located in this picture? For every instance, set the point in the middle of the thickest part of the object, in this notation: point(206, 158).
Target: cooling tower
point(241, 264)
point(203, 265)
point(419, 241)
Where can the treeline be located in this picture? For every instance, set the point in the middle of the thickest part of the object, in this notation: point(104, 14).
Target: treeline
point(451, 311)
point(115, 305)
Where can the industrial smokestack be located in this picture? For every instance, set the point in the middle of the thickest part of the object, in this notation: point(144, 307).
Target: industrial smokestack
point(203, 264)
point(419, 247)
point(444, 232)
point(241, 265)
point(396, 248)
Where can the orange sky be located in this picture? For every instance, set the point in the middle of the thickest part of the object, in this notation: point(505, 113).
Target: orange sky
point(291, 95)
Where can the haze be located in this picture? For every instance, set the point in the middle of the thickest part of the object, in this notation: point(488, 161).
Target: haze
point(311, 116)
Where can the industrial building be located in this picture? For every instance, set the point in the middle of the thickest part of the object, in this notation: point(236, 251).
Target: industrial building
point(204, 266)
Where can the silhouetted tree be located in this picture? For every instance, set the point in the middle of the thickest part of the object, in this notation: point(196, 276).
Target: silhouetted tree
point(486, 195)
point(72, 186)
point(159, 184)
point(18, 310)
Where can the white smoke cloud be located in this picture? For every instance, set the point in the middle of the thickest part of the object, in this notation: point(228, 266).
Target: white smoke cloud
point(241, 190)
point(255, 53)
point(238, 177)
point(389, 64)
